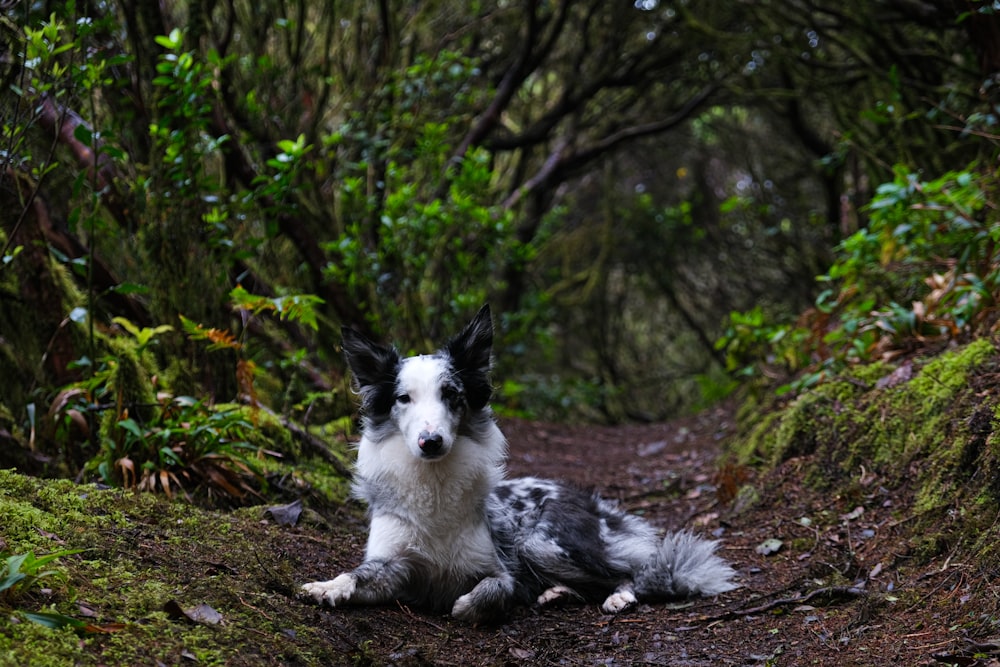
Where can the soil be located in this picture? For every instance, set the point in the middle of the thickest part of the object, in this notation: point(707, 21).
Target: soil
point(843, 587)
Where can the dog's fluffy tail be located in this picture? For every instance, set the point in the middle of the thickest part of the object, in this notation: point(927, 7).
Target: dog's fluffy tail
point(684, 565)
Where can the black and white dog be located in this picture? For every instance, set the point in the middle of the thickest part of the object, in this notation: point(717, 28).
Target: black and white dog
point(449, 532)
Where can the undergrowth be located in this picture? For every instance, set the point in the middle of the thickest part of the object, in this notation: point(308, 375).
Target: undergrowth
point(924, 273)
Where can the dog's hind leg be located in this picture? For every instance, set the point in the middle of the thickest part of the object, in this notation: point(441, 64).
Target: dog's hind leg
point(621, 599)
point(372, 582)
point(555, 594)
point(490, 597)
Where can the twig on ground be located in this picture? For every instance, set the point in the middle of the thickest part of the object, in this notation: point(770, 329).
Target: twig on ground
point(832, 592)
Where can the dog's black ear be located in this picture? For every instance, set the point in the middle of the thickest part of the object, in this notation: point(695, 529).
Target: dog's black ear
point(372, 364)
point(471, 352)
point(472, 349)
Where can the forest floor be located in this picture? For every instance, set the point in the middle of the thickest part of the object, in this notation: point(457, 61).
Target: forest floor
point(841, 590)
point(167, 583)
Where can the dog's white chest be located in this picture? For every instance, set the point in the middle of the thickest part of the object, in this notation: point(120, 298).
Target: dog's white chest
point(434, 510)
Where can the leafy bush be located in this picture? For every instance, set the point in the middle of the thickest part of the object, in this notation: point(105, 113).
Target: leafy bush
point(750, 337)
point(188, 445)
point(152, 440)
point(924, 272)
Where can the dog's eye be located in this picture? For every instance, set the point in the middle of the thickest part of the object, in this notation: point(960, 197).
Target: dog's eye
point(403, 398)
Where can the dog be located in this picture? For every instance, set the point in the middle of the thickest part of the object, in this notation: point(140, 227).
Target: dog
point(448, 531)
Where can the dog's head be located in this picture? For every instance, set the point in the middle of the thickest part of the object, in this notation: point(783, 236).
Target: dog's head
point(424, 398)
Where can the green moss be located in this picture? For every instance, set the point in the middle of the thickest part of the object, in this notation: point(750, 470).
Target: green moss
point(139, 552)
point(933, 433)
point(130, 383)
point(941, 378)
point(925, 420)
point(912, 419)
point(799, 428)
point(849, 422)
point(33, 514)
point(22, 525)
point(21, 640)
point(867, 374)
point(325, 482)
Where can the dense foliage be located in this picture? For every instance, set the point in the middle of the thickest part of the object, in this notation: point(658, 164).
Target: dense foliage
point(200, 193)
point(923, 274)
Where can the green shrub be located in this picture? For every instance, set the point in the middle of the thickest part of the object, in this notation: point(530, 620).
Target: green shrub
point(924, 272)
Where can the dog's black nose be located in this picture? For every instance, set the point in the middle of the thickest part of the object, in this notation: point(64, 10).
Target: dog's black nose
point(430, 443)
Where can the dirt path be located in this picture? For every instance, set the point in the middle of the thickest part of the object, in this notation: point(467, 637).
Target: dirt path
point(840, 590)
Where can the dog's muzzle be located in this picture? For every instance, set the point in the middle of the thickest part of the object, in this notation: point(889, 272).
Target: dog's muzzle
point(431, 444)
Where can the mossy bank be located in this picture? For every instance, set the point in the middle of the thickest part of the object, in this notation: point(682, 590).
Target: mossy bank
point(926, 425)
point(142, 562)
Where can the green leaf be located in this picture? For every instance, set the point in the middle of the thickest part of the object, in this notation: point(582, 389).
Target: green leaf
point(10, 580)
point(48, 558)
point(172, 41)
point(54, 620)
point(14, 252)
point(83, 134)
point(15, 562)
point(126, 325)
point(131, 426)
point(168, 455)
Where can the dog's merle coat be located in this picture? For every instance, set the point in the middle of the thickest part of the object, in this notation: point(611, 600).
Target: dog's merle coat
point(448, 532)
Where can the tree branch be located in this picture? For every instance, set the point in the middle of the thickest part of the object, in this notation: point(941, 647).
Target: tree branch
point(561, 162)
point(615, 140)
point(509, 85)
point(100, 170)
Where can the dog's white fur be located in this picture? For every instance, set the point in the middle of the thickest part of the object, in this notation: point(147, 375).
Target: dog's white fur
point(447, 530)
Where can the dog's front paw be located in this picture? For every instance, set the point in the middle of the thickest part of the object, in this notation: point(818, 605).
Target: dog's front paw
point(333, 592)
point(470, 608)
point(619, 601)
point(486, 602)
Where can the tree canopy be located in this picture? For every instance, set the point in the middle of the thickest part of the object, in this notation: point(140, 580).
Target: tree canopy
point(200, 193)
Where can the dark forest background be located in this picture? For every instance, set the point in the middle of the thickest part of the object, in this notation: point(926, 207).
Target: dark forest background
point(197, 195)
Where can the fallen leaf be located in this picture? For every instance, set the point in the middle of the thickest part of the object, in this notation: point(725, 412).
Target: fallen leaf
point(286, 515)
point(50, 536)
point(103, 629)
point(202, 613)
point(652, 448)
point(768, 547)
point(521, 653)
point(898, 376)
point(706, 519)
point(853, 514)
